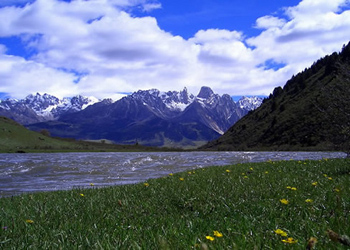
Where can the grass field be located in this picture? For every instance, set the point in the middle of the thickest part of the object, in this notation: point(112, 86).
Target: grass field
point(16, 138)
point(269, 205)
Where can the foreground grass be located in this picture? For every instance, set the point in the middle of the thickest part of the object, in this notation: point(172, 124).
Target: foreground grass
point(244, 203)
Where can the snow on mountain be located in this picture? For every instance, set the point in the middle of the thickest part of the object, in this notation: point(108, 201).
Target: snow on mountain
point(250, 103)
point(51, 107)
point(45, 107)
point(177, 100)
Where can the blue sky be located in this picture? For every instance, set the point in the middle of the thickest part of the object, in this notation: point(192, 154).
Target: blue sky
point(185, 18)
point(106, 48)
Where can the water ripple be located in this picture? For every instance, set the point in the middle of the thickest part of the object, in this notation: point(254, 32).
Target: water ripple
point(43, 172)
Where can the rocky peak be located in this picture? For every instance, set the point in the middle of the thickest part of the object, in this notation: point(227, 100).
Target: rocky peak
point(185, 97)
point(205, 92)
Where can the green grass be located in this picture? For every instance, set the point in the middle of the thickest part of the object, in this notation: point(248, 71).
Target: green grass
point(16, 138)
point(242, 203)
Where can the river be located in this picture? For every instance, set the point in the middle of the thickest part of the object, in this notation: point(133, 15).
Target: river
point(33, 172)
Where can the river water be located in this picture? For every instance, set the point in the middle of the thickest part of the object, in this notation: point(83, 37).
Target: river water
point(45, 172)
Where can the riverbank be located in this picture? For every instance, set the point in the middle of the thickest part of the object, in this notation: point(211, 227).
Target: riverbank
point(263, 205)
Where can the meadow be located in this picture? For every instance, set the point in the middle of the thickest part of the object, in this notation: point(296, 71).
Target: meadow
point(268, 205)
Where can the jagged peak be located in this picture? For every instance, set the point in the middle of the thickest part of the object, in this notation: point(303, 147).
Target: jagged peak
point(205, 92)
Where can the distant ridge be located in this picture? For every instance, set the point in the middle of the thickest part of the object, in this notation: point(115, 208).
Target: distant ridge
point(311, 112)
point(154, 118)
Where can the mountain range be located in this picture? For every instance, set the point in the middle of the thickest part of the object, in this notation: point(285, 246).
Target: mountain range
point(148, 117)
point(311, 112)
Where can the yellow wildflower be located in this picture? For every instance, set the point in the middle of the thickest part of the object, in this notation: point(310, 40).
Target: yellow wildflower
point(266, 172)
point(251, 169)
point(92, 184)
point(82, 195)
point(311, 243)
point(245, 177)
point(289, 187)
point(324, 175)
point(30, 221)
point(290, 240)
point(337, 190)
point(280, 232)
point(294, 188)
point(330, 178)
point(171, 174)
point(308, 200)
point(181, 179)
point(209, 238)
point(218, 234)
point(228, 171)
point(146, 184)
point(284, 201)
point(314, 183)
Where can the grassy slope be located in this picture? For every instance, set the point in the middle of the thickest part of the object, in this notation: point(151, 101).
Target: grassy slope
point(243, 204)
point(311, 112)
point(14, 137)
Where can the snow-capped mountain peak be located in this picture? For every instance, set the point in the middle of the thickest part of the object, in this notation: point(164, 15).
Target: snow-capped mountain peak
point(250, 103)
point(45, 107)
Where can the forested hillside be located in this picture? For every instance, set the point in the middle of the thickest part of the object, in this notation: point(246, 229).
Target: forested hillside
point(311, 112)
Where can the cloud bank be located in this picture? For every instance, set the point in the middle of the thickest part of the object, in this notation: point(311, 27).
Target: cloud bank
point(99, 48)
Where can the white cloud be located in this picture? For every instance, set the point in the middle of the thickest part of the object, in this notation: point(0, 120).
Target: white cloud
point(20, 77)
point(97, 48)
point(267, 22)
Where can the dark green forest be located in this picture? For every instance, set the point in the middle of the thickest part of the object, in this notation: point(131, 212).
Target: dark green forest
point(311, 112)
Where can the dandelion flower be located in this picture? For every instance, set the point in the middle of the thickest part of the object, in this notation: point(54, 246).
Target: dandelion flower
point(293, 188)
point(181, 179)
point(311, 243)
point(251, 169)
point(284, 201)
point(245, 177)
point(146, 184)
point(280, 232)
point(314, 183)
point(308, 200)
point(324, 175)
point(171, 174)
point(289, 187)
point(218, 234)
point(330, 178)
point(228, 171)
point(30, 221)
point(92, 184)
point(209, 238)
point(337, 190)
point(82, 195)
point(290, 240)
point(266, 172)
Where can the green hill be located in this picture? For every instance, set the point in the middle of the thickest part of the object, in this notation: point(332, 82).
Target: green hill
point(311, 112)
point(16, 138)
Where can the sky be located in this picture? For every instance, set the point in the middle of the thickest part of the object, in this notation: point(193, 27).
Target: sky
point(107, 48)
